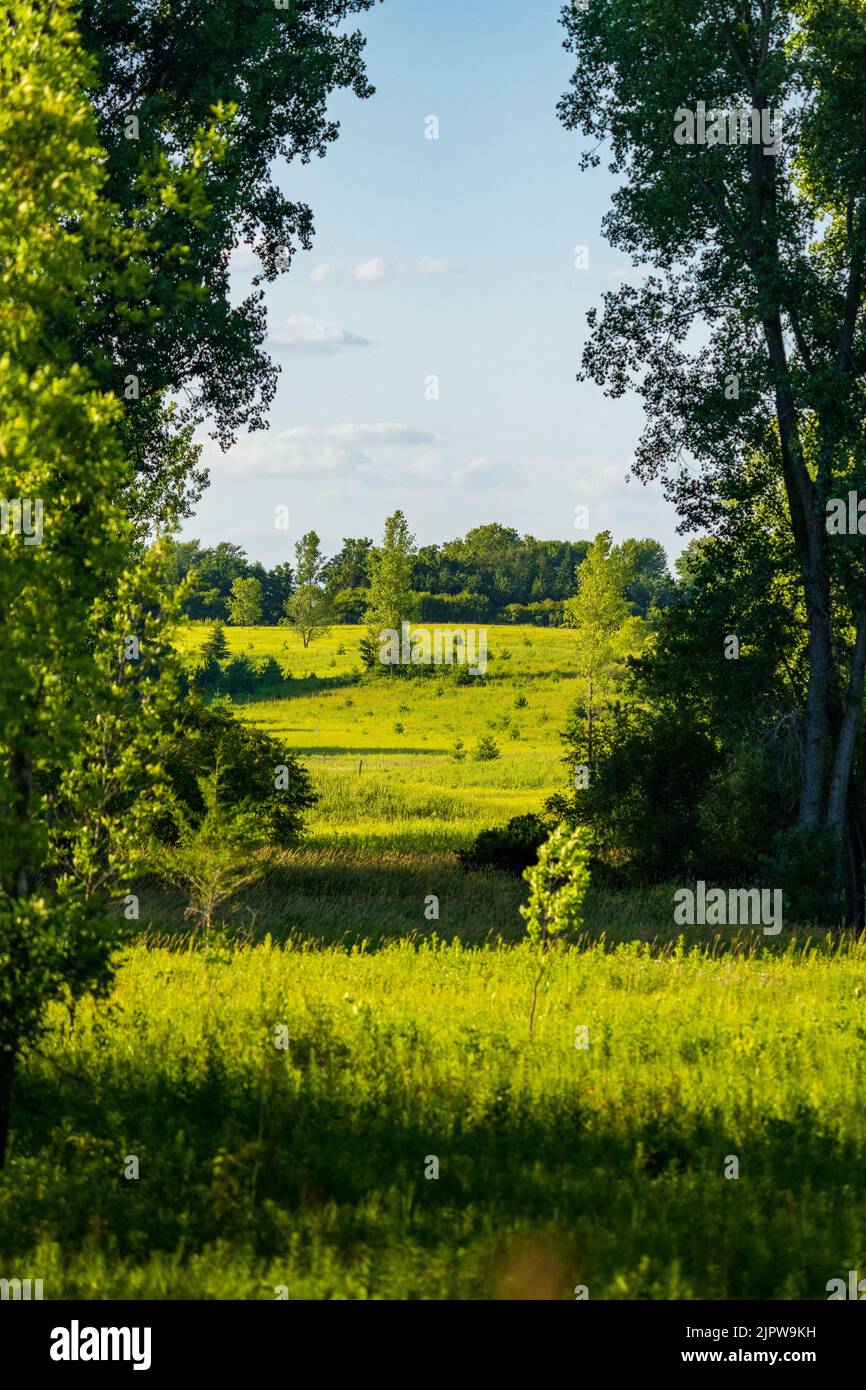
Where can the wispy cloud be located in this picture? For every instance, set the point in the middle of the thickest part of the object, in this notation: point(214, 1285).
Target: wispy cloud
point(308, 451)
point(378, 271)
point(481, 473)
point(311, 336)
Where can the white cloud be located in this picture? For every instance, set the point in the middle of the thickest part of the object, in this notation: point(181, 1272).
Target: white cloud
point(243, 259)
point(378, 271)
point(480, 472)
point(331, 451)
point(308, 335)
point(381, 454)
point(371, 270)
point(387, 433)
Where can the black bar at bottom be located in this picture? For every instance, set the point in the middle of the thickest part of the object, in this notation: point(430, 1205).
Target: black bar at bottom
point(158, 1340)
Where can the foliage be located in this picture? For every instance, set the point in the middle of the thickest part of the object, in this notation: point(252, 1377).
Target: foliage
point(213, 854)
point(269, 72)
point(245, 605)
point(510, 848)
point(309, 608)
point(391, 599)
point(82, 683)
point(248, 760)
point(639, 802)
point(603, 626)
point(557, 887)
point(745, 341)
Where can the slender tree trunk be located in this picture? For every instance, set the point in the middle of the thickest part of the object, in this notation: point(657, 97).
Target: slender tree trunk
point(810, 538)
point(842, 814)
point(843, 760)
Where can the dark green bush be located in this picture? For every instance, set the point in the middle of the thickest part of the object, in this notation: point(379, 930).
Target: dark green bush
point(509, 848)
point(248, 764)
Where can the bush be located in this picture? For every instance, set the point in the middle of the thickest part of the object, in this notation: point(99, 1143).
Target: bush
point(238, 676)
point(487, 750)
point(802, 866)
point(465, 607)
point(268, 675)
point(510, 848)
point(248, 761)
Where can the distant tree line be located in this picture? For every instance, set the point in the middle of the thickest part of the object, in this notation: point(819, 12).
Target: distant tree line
point(492, 574)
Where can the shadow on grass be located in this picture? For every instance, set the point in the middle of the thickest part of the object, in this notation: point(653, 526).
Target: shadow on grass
point(346, 896)
point(236, 1156)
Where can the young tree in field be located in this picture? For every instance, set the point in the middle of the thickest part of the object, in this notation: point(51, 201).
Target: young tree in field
point(214, 856)
point(751, 210)
point(391, 600)
point(216, 648)
point(558, 884)
point(602, 621)
point(82, 657)
point(308, 609)
point(245, 604)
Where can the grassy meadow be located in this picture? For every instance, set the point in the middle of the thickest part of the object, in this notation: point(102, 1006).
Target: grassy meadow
point(307, 1169)
point(394, 803)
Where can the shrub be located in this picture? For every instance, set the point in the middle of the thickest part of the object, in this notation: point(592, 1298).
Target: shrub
point(510, 848)
point(238, 676)
point(558, 884)
point(487, 750)
point(802, 865)
point(247, 759)
point(268, 674)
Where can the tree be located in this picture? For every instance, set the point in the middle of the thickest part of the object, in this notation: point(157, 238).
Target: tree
point(82, 652)
point(277, 585)
point(349, 569)
point(254, 770)
point(391, 600)
point(601, 617)
point(761, 241)
point(216, 648)
point(558, 884)
point(245, 604)
point(308, 609)
point(651, 585)
point(270, 72)
point(214, 856)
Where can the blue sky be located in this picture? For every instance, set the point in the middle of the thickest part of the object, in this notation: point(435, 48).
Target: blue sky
point(451, 258)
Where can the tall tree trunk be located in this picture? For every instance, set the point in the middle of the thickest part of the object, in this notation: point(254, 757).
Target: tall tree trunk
point(810, 538)
point(842, 818)
point(846, 742)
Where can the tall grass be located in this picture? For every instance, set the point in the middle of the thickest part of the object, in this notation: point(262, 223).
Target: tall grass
point(558, 1166)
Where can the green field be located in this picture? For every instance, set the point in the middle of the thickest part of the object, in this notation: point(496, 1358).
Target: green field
point(266, 1169)
point(394, 803)
point(558, 1166)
